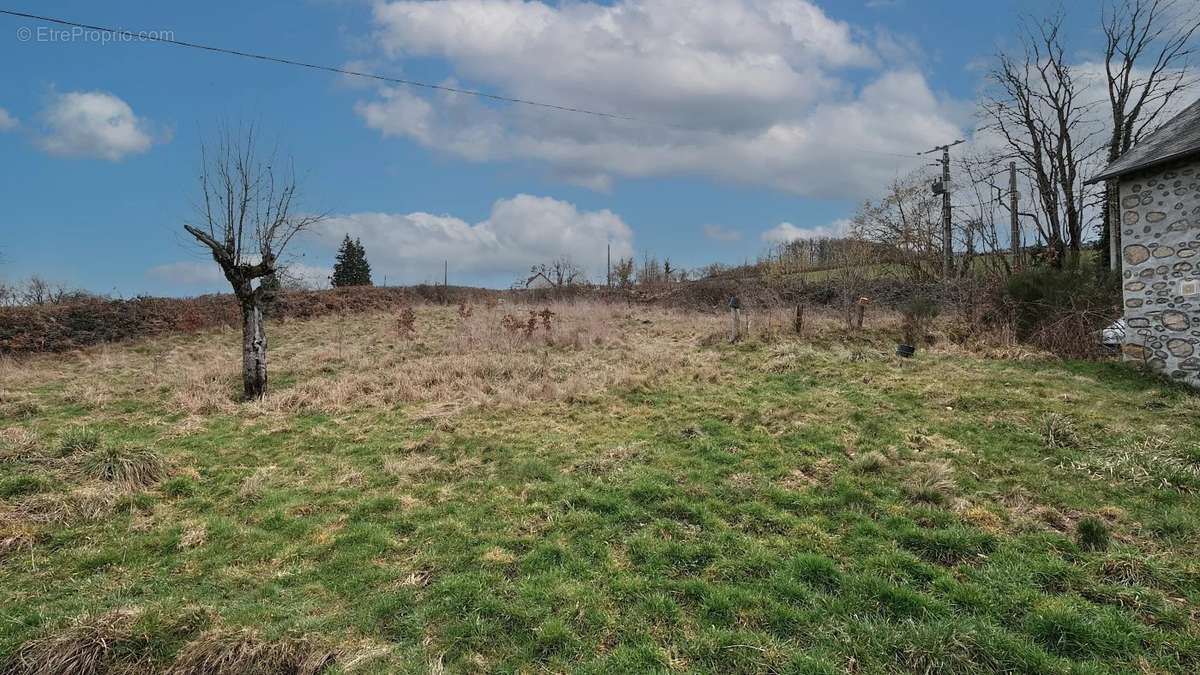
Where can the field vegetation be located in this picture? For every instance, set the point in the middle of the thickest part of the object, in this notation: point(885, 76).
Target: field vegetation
point(594, 488)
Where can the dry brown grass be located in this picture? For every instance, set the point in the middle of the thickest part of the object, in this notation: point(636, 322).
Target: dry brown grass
point(85, 647)
point(453, 360)
point(18, 443)
point(335, 364)
point(244, 652)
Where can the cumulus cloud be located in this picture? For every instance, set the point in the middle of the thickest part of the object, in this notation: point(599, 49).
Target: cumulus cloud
point(785, 232)
point(7, 121)
point(791, 99)
point(518, 233)
point(94, 124)
point(719, 233)
point(310, 276)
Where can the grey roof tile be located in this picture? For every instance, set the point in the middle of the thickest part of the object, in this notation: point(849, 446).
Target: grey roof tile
point(1176, 139)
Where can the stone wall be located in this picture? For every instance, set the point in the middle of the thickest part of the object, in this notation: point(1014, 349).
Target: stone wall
point(1160, 240)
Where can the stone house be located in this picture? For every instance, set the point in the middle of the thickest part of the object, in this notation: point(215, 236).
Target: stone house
point(1159, 239)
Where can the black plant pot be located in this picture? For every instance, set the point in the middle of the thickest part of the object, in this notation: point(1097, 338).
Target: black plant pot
point(905, 351)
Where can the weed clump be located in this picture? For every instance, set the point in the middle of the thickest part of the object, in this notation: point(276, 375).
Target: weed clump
point(406, 322)
point(78, 440)
point(871, 462)
point(89, 645)
point(133, 466)
point(1058, 432)
point(1092, 534)
point(934, 485)
point(231, 652)
point(17, 442)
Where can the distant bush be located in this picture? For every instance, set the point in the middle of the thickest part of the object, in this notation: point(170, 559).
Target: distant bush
point(63, 327)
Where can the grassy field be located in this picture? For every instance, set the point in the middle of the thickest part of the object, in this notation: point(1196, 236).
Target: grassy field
point(622, 492)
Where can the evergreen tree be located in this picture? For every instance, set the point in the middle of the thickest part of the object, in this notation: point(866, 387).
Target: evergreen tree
point(364, 267)
point(351, 267)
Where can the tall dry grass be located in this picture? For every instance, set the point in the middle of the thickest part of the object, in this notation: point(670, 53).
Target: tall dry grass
point(338, 364)
point(485, 355)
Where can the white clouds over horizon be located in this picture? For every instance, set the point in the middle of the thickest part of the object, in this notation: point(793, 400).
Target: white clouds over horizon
point(518, 233)
point(785, 232)
point(94, 124)
point(792, 99)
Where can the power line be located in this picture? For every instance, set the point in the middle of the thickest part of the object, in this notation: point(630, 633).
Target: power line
point(150, 37)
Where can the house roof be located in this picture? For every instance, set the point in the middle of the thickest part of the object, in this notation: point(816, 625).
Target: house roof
point(1178, 138)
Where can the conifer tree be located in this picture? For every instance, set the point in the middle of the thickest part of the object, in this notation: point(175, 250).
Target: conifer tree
point(351, 267)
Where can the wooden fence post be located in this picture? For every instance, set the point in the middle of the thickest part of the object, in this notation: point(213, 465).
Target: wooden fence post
point(735, 307)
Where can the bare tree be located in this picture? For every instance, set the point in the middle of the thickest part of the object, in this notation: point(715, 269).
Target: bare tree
point(1037, 107)
point(246, 220)
point(986, 200)
point(907, 220)
point(559, 273)
point(1148, 47)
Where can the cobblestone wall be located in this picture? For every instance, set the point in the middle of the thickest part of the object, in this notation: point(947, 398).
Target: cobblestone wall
point(1160, 217)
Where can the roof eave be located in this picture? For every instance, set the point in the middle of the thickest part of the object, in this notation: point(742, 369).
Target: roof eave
point(1106, 174)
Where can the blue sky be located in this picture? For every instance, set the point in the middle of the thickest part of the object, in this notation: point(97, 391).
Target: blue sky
point(755, 113)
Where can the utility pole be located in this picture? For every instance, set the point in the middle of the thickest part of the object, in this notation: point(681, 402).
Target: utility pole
point(446, 274)
point(1015, 232)
point(608, 267)
point(943, 188)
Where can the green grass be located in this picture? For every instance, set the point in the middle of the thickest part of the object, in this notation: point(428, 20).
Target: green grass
point(809, 511)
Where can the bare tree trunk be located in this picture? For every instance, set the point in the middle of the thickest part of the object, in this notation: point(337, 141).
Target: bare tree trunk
point(254, 349)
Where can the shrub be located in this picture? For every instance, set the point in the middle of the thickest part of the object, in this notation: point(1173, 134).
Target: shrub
point(1062, 311)
point(1091, 534)
point(917, 312)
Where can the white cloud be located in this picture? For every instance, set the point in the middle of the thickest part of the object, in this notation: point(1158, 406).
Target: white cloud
point(719, 233)
point(311, 276)
point(519, 232)
point(7, 121)
point(773, 102)
point(187, 273)
point(94, 124)
point(785, 232)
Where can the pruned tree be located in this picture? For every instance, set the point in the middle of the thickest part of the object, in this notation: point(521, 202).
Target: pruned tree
point(1147, 54)
point(246, 218)
point(1037, 107)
